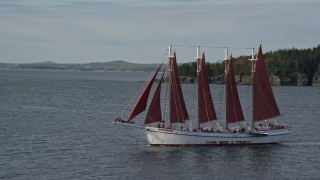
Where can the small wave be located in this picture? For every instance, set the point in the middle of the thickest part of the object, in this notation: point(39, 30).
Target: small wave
point(47, 108)
point(317, 143)
point(41, 107)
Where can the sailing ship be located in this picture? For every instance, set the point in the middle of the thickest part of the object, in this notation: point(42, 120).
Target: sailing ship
point(175, 129)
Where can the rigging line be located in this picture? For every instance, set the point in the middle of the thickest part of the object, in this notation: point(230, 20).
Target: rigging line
point(212, 47)
point(222, 101)
point(158, 93)
point(194, 100)
point(173, 96)
point(180, 110)
point(205, 95)
point(233, 91)
point(162, 59)
point(240, 48)
point(138, 93)
point(177, 99)
point(166, 95)
point(183, 45)
point(164, 102)
point(219, 107)
point(248, 105)
point(266, 100)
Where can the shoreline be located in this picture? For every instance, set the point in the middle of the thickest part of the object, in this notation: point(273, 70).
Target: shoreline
point(295, 79)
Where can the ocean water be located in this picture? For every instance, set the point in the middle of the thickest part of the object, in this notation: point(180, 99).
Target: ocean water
point(58, 125)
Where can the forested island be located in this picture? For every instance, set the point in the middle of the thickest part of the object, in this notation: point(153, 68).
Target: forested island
point(286, 67)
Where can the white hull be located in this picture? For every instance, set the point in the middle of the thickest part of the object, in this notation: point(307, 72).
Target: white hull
point(169, 137)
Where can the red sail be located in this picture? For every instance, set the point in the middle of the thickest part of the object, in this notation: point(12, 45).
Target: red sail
point(206, 110)
point(264, 103)
point(154, 112)
point(233, 107)
point(143, 99)
point(178, 111)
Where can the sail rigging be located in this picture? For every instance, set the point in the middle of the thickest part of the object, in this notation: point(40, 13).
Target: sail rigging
point(154, 113)
point(206, 111)
point(234, 111)
point(143, 99)
point(178, 110)
point(264, 103)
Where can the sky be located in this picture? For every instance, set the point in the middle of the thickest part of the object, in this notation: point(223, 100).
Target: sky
point(139, 31)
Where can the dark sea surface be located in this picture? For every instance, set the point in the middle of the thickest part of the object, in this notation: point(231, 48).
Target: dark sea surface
point(58, 125)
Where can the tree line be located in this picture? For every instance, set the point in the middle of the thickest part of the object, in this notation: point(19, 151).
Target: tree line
point(283, 63)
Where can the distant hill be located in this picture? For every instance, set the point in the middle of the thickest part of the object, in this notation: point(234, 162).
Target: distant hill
point(44, 62)
point(118, 65)
point(115, 63)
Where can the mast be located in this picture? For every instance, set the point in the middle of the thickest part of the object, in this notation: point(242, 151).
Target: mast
point(206, 110)
point(264, 103)
point(178, 110)
point(198, 58)
point(234, 111)
point(253, 62)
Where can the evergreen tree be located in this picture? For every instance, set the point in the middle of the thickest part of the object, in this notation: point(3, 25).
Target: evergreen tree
point(283, 63)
